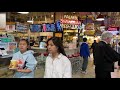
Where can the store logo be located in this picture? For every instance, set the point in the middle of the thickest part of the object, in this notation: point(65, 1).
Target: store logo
point(70, 17)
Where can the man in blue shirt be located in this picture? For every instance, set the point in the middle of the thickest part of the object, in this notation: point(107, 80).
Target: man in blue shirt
point(84, 52)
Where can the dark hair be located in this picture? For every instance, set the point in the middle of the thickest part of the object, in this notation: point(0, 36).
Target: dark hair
point(58, 43)
point(17, 39)
point(119, 43)
point(84, 39)
point(26, 42)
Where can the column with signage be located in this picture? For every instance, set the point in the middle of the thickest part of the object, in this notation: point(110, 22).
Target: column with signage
point(70, 28)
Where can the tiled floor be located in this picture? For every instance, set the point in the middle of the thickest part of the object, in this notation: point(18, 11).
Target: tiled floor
point(78, 74)
point(5, 73)
point(90, 72)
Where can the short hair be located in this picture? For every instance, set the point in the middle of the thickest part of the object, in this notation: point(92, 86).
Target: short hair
point(84, 39)
point(106, 35)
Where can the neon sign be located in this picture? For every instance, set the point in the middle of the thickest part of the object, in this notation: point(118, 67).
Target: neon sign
point(70, 17)
point(113, 29)
point(66, 21)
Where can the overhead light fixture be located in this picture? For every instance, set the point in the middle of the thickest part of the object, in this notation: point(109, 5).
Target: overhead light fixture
point(30, 21)
point(23, 12)
point(52, 15)
point(100, 18)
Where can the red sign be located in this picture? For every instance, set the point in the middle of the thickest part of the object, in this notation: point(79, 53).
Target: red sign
point(113, 28)
point(67, 21)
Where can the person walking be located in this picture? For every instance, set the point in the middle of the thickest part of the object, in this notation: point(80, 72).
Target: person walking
point(84, 53)
point(105, 56)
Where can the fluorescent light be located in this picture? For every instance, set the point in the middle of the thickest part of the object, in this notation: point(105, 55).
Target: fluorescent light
point(100, 19)
point(30, 21)
point(23, 12)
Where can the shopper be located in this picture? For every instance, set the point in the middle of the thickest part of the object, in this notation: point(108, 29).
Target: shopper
point(28, 61)
point(119, 53)
point(105, 56)
point(57, 64)
point(85, 53)
point(93, 49)
point(17, 40)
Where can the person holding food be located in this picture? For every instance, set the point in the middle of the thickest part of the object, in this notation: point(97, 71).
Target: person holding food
point(25, 60)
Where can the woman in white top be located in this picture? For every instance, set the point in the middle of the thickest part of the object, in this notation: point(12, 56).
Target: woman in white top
point(57, 64)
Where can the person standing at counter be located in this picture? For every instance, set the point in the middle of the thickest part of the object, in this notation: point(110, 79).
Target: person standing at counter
point(28, 61)
point(85, 53)
point(93, 50)
point(57, 64)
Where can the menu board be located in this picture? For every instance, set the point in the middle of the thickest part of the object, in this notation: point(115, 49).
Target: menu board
point(12, 46)
point(21, 27)
point(35, 27)
point(53, 28)
point(10, 27)
point(48, 27)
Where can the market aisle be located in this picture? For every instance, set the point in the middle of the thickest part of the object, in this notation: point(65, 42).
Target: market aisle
point(90, 71)
point(39, 73)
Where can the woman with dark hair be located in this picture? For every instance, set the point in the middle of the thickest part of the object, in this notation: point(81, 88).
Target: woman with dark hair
point(57, 64)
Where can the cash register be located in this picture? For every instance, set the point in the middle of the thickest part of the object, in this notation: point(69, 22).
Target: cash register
point(3, 52)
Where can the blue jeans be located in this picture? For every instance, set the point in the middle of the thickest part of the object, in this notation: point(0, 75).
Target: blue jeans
point(85, 63)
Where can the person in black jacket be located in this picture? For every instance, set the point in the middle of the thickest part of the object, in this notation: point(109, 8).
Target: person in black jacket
point(105, 57)
point(93, 49)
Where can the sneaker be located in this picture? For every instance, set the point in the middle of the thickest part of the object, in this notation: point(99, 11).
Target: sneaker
point(84, 72)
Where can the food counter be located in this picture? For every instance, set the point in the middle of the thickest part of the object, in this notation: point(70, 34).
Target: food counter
point(67, 50)
point(38, 50)
point(5, 60)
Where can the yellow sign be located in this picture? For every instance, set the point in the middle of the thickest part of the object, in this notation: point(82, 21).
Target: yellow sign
point(89, 32)
point(58, 34)
point(89, 26)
